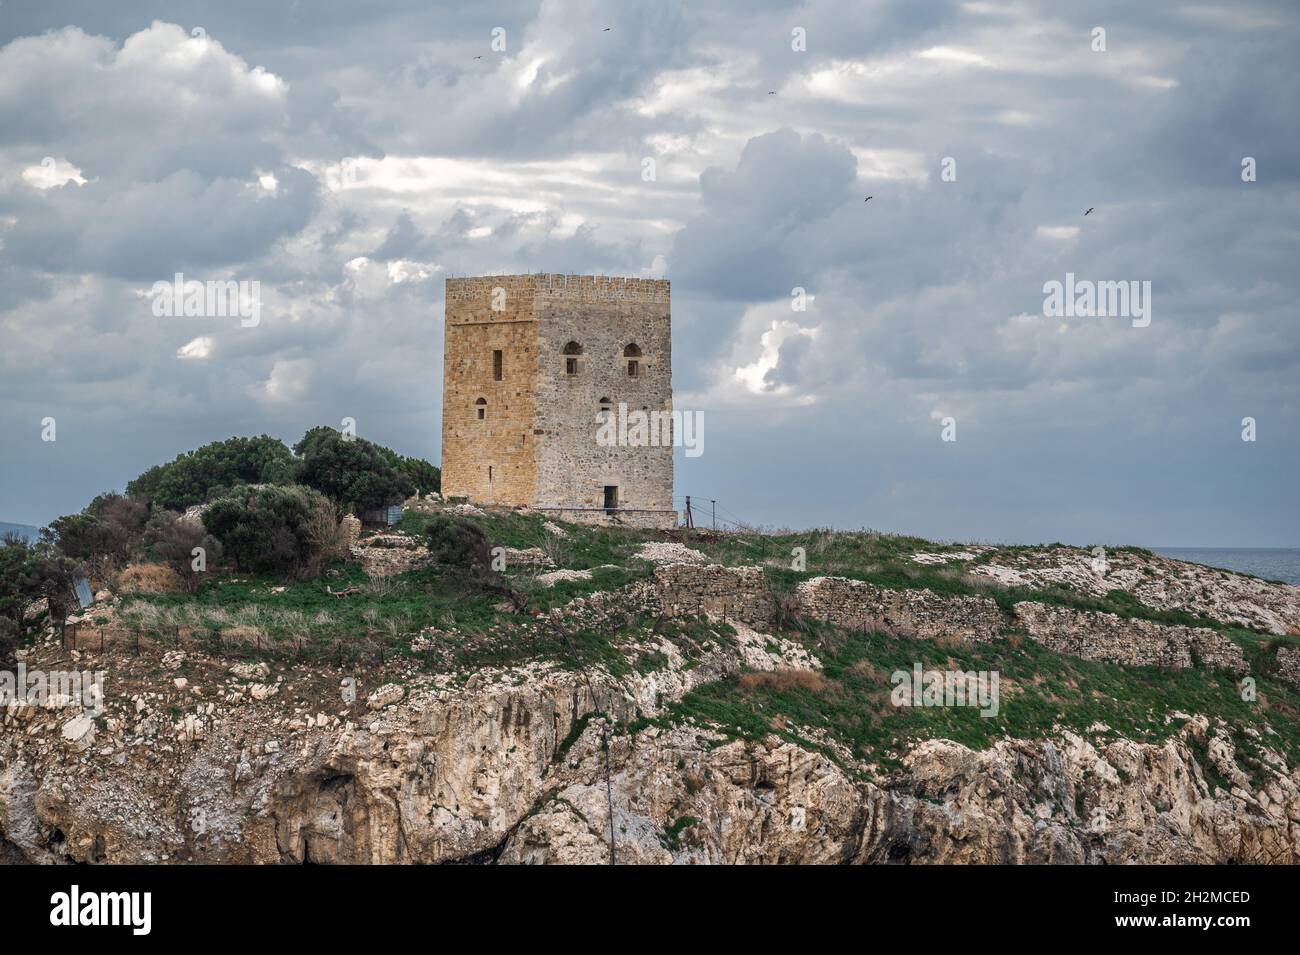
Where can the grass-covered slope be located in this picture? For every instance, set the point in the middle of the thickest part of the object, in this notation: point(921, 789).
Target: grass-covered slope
point(438, 620)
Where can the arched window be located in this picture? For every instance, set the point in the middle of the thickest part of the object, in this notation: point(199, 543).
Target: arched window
point(632, 351)
point(632, 355)
point(606, 407)
point(571, 353)
point(481, 407)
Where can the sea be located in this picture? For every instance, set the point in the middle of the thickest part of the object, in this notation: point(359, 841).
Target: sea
point(1270, 563)
point(22, 530)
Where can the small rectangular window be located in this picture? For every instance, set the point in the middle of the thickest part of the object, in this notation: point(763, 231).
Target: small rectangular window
point(570, 366)
point(496, 365)
point(632, 368)
point(482, 413)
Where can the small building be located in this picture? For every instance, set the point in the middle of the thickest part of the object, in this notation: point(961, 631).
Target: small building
point(387, 516)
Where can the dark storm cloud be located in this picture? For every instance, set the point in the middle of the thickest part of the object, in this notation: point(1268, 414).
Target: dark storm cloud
point(351, 156)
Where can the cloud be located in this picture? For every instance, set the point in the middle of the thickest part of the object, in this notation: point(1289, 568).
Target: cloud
point(349, 157)
point(198, 348)
point(174, 142)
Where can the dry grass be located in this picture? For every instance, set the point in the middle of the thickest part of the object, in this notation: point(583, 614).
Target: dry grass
point(149, 579)
point(785, 680)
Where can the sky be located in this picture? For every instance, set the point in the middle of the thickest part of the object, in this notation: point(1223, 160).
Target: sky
point(349, 157)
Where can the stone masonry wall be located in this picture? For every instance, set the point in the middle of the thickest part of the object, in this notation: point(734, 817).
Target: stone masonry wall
point(1113, 639)
point(917, 613)
point(740, 592)
point(493, 460)
point(604, 316)
point(537, 444)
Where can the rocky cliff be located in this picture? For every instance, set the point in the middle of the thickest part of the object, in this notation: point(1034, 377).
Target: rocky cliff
point(196, 758)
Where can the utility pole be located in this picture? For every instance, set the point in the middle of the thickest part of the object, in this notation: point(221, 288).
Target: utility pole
point(715, 513)
point(690, 521)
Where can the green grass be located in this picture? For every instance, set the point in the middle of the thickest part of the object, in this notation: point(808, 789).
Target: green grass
point(585, 548)
point(1039, 691)
point(470, 628)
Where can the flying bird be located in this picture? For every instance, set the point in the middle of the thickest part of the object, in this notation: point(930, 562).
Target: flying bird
point(1089, 211)
point(868, 199)
point(771, 92)
point(606, 30)
point(478, 57)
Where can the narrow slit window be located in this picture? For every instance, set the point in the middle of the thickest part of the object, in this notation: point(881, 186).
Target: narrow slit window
point(496, 365)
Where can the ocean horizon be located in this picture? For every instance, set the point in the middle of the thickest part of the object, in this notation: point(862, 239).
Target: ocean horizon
point(1269, 563)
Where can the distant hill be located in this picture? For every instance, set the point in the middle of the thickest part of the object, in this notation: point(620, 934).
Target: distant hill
point(22, 530)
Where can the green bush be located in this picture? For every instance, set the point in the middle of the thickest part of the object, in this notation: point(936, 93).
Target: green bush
point(354, 472)
point(420, 472)
point(288, 531)
point(458, 543)
point(205, 473)
point(10, 633)
point(16, 558)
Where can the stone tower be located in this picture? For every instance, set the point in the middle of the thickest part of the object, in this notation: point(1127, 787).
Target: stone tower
point(538, 372)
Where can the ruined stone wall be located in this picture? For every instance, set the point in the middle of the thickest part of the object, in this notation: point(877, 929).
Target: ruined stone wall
point(1113, 639)
point(648, 519)
point(1288, 664)
point(735, 592)
point(854, 604)
point(493, 460)
point(604, 316)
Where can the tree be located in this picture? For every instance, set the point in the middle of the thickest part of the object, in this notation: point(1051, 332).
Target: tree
point(356, 473)
point(207, 472)
point(16, 557)
point(110, 526)
point(421, 473)
point(49, 575)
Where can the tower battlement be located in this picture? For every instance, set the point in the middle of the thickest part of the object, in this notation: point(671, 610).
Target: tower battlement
point(556, 285)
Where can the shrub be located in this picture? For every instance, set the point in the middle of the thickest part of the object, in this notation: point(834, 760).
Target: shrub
point(354, 472)
point(16, 559)
point(10, 633)
point(425, 476)
point(209, 471)
point(289, 531)
point(149, 579)
point(455, 542)
point(48, 574)
point(781, 681)
point(171, 538)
